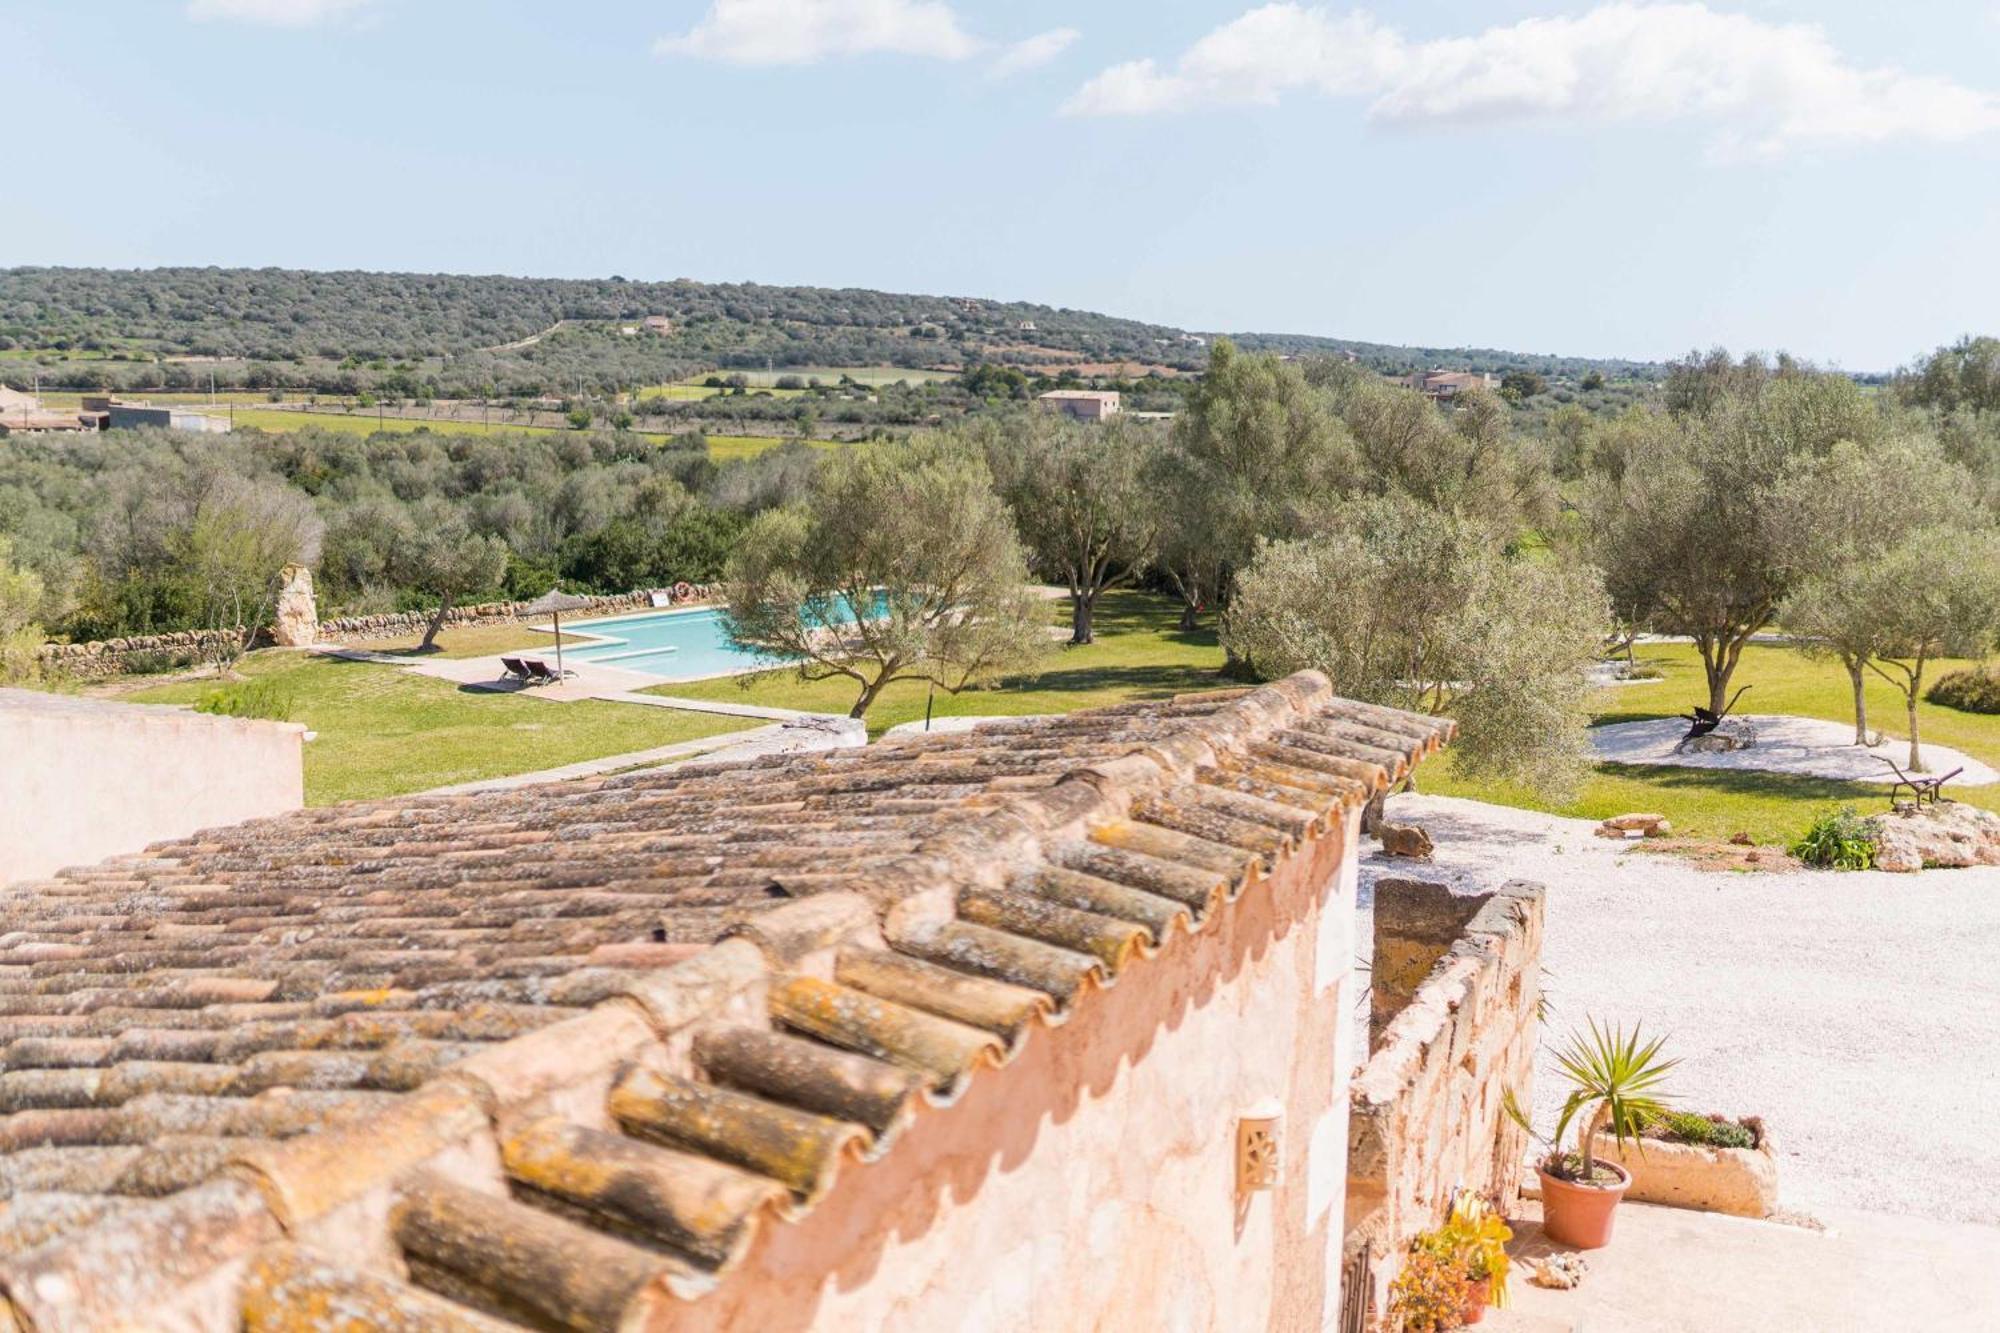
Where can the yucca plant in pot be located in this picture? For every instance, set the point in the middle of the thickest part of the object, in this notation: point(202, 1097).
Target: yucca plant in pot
point(1614, 1080)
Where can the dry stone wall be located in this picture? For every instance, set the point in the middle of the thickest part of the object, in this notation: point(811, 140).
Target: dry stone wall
point(1455, 986)
point(111, 657)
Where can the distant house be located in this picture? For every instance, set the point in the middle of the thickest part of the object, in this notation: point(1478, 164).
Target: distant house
point(1027, 326)
point(1083, 404)
point(140, 416)
point(1441, 385)
point(1194, 339)
point(23, 414)
point(659, 324)
point(43, 423)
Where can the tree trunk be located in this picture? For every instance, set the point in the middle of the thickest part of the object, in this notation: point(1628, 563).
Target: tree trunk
point(1860, 702)
point(1188, 613)
point(1718, 669)
point(1081, 608)
point(1916, 755)
point(868, 693)
point(437, 623)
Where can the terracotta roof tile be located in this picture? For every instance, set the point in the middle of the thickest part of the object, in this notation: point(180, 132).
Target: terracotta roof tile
point(549, 1055)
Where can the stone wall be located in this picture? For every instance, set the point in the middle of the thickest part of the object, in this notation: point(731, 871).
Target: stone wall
point(1456, 985)
point(111, 657)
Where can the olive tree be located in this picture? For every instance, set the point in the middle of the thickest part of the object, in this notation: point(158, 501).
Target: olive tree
point(1935, 594)
point(1257, 453)
point(902, 564)
point(1079, 498)
point(445, 559)
point(21, 595)
point(1406, 605)
point(1687, 530)
point(1837, 517)
point(240, 535)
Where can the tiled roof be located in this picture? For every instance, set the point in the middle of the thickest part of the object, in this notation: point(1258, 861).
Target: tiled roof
point(549, 1056)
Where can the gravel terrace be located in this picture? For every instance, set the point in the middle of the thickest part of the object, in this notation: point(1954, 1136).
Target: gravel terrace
point(1858, 1013)
point(1810, 746)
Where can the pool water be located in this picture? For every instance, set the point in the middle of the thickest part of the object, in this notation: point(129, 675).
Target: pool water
point(674, 645)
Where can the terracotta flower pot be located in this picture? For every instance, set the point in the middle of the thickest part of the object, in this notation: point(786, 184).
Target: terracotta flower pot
point(1475, 1301)
point(1580, 1216)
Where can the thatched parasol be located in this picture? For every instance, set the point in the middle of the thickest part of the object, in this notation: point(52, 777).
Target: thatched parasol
point(553, 603)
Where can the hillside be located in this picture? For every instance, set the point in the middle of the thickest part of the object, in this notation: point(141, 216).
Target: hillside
point(90, 327)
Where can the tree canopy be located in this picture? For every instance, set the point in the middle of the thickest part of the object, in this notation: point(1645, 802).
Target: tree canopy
point(901, 564)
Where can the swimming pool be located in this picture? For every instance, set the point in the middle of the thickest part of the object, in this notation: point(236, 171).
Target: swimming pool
point(673, 645)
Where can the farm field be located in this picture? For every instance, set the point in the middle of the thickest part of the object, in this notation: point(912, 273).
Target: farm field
point(871, 375)
point(383, 731)
point(67, 401)
point(722, 448)
point(698, 392)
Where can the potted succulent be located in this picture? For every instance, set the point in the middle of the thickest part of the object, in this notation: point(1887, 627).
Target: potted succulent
point(1453, 1270)
point(1614, 1080)
point(1478, 1236)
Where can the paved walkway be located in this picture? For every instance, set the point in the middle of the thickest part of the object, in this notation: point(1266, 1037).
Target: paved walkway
point(1671, 1270)
point(1856, 1012)
point(587, 680)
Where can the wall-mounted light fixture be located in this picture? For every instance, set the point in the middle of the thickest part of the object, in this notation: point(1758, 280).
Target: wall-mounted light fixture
point(1257, 1147)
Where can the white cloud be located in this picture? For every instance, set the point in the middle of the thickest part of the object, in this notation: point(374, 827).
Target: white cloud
point(1768, 86)
point(274, 13)
point(1032, 52)
point(804, 32)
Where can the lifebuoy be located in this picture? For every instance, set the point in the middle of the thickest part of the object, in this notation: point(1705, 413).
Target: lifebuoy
point(683, 591)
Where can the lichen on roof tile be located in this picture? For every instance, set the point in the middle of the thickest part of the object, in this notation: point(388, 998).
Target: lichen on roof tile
point(758, 969)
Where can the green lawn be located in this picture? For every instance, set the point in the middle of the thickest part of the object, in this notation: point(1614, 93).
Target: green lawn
point(1770, 807)
point(383, 731)
point(1138, 655)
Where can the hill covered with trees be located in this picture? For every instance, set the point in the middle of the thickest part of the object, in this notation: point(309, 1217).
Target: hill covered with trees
point(456, 335)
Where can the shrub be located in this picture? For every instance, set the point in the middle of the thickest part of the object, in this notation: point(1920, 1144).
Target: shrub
point(155, 661)
point(1428, 1295)
point(1708, 1131)
point(264, 699)
point(1837, 840)
point(1972, 690)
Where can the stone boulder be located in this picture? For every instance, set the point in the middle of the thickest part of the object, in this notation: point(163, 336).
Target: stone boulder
point(1644, 825)
point(1911, 837)
point(1405, 840)
point(295, 623)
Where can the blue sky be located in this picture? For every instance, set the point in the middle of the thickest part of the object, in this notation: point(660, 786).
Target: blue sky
point(1603, 179)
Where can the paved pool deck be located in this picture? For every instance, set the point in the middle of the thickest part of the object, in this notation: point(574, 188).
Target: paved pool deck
point(586, 680)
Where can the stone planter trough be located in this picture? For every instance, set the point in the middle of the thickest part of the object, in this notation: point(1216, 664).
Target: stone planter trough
point(1742, 1181)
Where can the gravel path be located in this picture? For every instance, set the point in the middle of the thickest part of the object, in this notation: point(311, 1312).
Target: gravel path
point(1858, 1013)
point(1810, 746)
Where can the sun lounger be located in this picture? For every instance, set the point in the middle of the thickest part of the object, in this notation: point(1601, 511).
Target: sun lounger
point(541, 673)
point(516, 670)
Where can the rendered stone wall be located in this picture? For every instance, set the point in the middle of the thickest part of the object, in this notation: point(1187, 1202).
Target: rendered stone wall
point(1456, 988)
point(1090, 1185)
point(85, 779)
